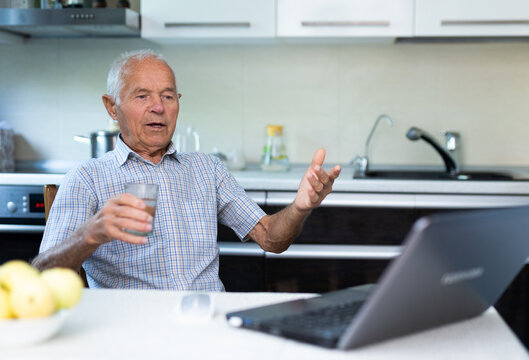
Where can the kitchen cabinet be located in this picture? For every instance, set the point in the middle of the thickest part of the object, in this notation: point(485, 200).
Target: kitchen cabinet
point(347, 241)
point(179, 19)
point(269, 19)
point(471, 18)
point(344, 18)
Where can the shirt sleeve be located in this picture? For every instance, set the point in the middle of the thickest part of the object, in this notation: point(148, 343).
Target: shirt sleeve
point(235, 208)
point(74, 204)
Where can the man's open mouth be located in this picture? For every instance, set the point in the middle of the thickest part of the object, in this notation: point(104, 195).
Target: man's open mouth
point(156, 125)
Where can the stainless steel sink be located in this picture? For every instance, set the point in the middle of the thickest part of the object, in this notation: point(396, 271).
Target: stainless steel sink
point(435, 175)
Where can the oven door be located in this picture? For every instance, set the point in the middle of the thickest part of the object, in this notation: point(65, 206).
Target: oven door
point(20, 241)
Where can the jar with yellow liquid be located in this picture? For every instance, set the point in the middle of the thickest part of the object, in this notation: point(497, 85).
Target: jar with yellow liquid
point(274, 152)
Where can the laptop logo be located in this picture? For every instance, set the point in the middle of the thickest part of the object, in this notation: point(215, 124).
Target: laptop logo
point(463, 275)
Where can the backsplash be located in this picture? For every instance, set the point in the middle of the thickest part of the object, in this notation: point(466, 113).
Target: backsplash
point(326, 95)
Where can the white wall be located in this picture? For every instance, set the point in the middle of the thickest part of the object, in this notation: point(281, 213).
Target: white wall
point(325, 95)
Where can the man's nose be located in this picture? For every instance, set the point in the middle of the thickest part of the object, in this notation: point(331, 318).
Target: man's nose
point(156, 105)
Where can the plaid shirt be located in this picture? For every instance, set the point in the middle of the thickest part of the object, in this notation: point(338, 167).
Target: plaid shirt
point(196, 191)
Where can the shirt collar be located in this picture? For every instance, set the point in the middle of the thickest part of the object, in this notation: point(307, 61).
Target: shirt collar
point(123, 152)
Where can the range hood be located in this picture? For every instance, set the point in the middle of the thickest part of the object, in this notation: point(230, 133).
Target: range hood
point(95, 22)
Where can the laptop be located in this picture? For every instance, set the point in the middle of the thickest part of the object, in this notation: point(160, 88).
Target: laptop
point(453, 266)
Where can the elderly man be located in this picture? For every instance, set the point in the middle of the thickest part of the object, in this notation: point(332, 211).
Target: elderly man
point(90, 212)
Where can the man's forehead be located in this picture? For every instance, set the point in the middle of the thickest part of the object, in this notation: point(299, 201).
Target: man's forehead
point(150, 74)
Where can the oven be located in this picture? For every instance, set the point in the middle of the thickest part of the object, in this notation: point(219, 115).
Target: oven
point(21, 221)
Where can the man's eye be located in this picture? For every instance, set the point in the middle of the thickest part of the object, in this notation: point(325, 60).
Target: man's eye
point(168, 97)
point(141, 96)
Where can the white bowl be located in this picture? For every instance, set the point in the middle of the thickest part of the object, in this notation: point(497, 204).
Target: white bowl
point(17, 332)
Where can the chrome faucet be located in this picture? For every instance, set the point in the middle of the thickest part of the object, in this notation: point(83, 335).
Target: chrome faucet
point(360, 163)
point(453, 145)
point(451, 166)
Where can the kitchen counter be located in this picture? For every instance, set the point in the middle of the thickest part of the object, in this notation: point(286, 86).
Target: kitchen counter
point(289, 181)
point(255, 179)
point(144, 324)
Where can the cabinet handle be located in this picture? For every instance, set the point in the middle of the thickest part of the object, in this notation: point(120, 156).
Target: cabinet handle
point(33, 229)
point(314, 251)
point(346, 23)
point(240, 249)
point(483, 22)
point(368, 252)
point(349, 199)
point(429, 201)
point(207, 24)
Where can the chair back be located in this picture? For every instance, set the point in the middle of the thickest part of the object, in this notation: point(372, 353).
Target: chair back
point(50, 190)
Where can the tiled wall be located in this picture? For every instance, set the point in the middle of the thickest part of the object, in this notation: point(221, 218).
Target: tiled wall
point(326, 95)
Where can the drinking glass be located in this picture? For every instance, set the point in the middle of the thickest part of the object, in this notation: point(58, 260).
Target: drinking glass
point(149, 194)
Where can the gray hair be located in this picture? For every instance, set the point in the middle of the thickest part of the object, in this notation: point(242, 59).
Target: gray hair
point(119, 69)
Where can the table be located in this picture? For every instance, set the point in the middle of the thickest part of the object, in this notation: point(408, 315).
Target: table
point(144, 324)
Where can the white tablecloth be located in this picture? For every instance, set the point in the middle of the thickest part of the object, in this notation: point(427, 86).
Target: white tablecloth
point(135, 324)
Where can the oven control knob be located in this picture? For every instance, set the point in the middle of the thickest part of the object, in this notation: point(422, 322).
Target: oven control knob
point(12, 207)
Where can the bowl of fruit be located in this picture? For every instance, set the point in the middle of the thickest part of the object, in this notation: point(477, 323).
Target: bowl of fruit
point(34, 304)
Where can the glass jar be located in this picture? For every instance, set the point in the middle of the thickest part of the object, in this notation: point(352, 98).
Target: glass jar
point(274, 152)
point(7, 147)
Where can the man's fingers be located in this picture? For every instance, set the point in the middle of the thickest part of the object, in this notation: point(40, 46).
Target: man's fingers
point(129, 224)
point(335, 172)
point(316, 184)
point(122, 235)
point(127, 206)
point(326, 177)
point(130, 200)
point(128, 212)
point(318, 158)
point(321, 173)
point(125, 212)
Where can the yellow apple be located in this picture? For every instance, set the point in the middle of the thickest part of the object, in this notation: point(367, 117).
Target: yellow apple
point(66, 285)
point(31, 297)
point(5, 306)
point(15, 271)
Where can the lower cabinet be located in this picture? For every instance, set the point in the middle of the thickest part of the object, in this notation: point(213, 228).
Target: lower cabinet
point(320, 275)
point(19, 245)
point(242, 273)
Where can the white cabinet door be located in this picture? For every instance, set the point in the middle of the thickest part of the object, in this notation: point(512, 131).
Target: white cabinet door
point(344, 18)
point(471, 17)
point(207, 18)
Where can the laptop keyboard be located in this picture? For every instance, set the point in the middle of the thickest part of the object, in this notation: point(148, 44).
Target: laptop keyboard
point(328, 322)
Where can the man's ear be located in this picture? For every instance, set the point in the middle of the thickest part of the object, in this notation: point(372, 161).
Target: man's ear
point(110, 105)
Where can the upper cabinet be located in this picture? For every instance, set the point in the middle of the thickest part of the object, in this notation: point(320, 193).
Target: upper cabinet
point(471, 18)
point(236, 19)
point(165, 19)
point(344, 18)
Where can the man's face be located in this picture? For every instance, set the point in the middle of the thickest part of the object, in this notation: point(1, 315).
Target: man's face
point(149, 107)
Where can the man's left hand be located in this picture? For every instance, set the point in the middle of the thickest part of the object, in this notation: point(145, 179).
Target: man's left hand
point(316, 184)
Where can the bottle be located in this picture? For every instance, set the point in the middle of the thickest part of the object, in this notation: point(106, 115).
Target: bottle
point(99, 3)
point(73, 4)
point(274, 152)
point(7, 147)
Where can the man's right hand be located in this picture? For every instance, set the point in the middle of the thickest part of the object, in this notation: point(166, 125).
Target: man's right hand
point(121, 212)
